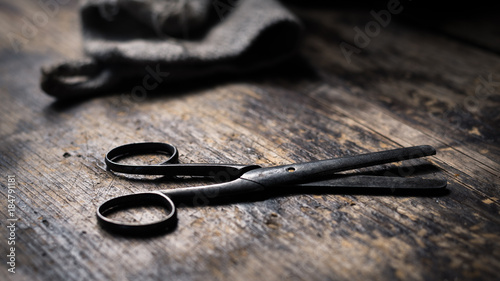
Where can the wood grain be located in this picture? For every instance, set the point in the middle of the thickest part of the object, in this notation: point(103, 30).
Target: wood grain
point(408, 87)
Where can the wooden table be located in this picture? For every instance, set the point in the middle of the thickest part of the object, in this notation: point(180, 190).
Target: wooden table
point(409, 86)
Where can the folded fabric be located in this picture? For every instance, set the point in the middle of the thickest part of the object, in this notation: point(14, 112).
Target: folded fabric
point(126, 41)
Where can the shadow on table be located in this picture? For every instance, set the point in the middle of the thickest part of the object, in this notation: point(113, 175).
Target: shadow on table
point(297, 68)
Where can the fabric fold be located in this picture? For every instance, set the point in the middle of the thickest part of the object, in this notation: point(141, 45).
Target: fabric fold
point(186, 39)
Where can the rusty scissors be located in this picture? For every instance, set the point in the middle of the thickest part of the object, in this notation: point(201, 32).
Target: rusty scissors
point(236, 179)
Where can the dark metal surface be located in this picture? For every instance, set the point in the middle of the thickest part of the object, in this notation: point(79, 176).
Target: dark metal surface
point(135, 200)
point(170, 167)
point(243, 179)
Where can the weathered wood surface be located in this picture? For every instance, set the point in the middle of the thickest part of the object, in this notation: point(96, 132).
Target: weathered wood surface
point(407, 87)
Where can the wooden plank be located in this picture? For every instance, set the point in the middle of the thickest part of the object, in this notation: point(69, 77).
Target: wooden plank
point(390, 95)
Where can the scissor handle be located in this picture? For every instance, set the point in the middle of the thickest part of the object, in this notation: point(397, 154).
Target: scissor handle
point(170, 167)
point(133, 149)
point(148, 199)
point(163, 199)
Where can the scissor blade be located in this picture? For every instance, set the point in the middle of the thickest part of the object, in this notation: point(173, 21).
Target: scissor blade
point(311, 171)
point(363, 181)
point(371, 159)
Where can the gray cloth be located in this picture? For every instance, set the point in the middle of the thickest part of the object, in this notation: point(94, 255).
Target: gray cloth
point(127, 41)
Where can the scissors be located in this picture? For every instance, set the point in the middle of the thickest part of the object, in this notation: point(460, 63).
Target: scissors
point(236, 179)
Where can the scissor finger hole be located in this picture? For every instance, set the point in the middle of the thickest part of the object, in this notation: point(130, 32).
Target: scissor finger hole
point(144, 159)
point(151, 158)
point(137, 160)
point(138, 213)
